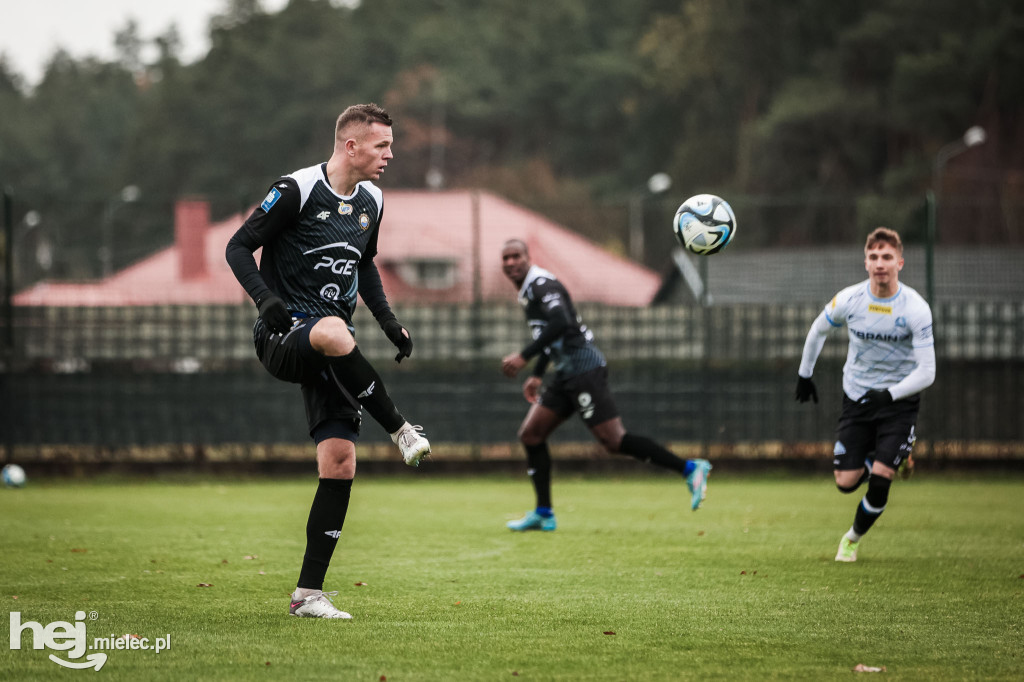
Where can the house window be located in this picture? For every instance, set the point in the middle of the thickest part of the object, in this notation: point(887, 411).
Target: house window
point(428, 273)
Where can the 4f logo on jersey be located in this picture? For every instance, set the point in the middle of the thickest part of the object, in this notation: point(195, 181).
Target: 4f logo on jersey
point(323, 215)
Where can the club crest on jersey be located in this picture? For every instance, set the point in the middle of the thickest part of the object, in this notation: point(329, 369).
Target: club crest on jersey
point(364, 221)
point(344, 209)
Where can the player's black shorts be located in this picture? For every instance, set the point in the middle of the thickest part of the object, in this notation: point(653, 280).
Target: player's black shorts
point(586, 394)
point(330, 411)
point(884, 433)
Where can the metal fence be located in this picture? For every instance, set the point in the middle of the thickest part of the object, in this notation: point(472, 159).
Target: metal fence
point(182, 382)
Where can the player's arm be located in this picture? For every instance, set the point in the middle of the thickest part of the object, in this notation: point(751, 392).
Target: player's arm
point(541, 365)
point(813, 344)
point(923, 374)
point(815, 341)
point(531, 387)
point(278, 210)
point(558, 323)
point(371, 290)
point(920, 378)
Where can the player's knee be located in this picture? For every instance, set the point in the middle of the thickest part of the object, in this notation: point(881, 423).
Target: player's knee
point(330, 336)
point(529, 437)
point(847, 489)
point(848, 481)
point(336, 459)
point(611, 443)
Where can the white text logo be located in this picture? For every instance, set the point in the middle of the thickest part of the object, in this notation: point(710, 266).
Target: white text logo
point(70, 637)
point(340, 266)
point(59, 636)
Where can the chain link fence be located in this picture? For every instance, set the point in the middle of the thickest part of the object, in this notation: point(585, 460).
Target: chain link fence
point(181, 383)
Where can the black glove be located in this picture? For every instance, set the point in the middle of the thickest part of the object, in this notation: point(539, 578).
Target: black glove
point(805, 389)
point(393, 329)
point(275, 314)
point(875, 398)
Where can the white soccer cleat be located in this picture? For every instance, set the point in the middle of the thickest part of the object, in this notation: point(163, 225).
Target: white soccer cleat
point(413, 445)
point(317, 605)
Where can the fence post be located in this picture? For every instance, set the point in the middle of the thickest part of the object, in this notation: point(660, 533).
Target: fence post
point(706, 394)
point(929, 249)
point(7, 343)
point(477, 304)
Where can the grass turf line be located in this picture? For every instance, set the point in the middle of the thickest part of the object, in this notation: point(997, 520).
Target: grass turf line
point(745, 588)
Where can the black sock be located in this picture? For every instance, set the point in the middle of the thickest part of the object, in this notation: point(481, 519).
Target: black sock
point(873, 504)
point(361, 380)
point(538, 461)
point(326, 518)
point(646, 450)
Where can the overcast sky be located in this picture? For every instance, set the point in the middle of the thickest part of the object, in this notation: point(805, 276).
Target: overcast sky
point(31, 30)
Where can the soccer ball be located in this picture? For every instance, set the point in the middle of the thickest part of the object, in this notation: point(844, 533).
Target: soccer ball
point(704, 224)
point(14, 476)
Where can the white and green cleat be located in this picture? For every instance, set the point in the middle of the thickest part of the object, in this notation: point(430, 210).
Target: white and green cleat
point(847, 550)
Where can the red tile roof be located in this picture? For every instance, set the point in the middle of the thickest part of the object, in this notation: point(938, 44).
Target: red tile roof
point(418, 226)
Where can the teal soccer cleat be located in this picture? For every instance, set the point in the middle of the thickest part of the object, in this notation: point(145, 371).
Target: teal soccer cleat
point(533, 521)
point(697, 482)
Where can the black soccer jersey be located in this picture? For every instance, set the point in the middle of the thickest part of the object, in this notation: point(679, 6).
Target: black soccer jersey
point(548, 307)
point(314, 243)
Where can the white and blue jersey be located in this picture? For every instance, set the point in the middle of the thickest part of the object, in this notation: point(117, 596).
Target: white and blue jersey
point(891, 342)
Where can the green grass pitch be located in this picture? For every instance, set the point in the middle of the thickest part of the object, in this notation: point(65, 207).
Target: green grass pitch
point(632, 586)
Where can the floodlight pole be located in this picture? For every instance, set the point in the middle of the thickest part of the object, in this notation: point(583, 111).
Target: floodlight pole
point(656, 184)
point(128, 195)
point(974, 136)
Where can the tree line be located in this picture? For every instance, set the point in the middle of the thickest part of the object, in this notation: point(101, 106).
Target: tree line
point(818, 120)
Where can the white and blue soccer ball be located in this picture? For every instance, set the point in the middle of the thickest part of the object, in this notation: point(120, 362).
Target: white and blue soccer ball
point(14, 476)
point(704, 224)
